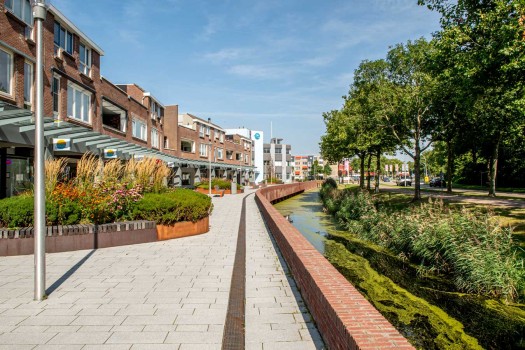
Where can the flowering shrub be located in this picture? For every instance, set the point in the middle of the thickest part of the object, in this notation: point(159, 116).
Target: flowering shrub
point(121, 199)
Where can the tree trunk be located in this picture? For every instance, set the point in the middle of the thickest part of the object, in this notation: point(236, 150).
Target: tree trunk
point(368, 173)
point(450, 161)
point(417, 175)
point(362, 172)
point(378, 170)
point(493, 168)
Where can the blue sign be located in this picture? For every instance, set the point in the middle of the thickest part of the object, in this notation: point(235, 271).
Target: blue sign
point(257, 136)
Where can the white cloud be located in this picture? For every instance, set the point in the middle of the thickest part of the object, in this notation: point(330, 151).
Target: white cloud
point(259, 71)
point(228, 55)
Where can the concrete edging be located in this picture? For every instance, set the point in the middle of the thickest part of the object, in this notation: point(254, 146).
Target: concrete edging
point(345, 319)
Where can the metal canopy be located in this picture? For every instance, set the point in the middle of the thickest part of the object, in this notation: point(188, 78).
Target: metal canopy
point(24, 120)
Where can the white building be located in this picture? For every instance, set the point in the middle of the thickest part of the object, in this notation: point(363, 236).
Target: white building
point(257, 154)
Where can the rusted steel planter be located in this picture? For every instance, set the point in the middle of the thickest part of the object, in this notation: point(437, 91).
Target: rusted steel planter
point(219, 192)
point(183, 229)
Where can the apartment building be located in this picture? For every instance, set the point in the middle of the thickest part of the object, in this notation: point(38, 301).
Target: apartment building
point(278, 161)
point(84, 111)
point(303, 166)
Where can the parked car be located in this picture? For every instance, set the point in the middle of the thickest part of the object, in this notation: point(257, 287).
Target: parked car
point(437, 182)
point(403, 181)
point(386, 179)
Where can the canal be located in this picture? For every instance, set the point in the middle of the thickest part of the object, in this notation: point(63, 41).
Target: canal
point(425, 309)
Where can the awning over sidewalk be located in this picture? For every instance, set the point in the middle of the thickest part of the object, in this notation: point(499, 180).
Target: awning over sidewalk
point(17, 128)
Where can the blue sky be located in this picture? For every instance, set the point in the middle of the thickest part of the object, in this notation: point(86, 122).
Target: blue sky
point(248, 62)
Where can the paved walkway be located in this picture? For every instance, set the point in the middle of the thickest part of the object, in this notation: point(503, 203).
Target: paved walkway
point(165, 295)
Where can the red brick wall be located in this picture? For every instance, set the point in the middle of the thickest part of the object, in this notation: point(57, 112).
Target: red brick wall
point(171, 124)
point(345, 319)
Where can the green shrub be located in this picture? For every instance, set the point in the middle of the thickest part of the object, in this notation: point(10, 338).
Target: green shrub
point(171, 207)
point(221, 183)
point(16, 211)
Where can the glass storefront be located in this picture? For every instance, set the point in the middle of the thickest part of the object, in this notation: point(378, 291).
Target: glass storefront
point(19, 175)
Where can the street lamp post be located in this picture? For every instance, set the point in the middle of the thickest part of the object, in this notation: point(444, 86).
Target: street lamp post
point(209, 168)
point(39, 14)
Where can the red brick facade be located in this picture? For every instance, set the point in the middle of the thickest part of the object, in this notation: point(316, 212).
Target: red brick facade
point(135, 102)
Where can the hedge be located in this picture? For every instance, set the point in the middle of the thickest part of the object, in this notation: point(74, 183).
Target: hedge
point(171, 207)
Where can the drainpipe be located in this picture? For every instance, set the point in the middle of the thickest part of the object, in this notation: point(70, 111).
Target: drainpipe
point(39, 14)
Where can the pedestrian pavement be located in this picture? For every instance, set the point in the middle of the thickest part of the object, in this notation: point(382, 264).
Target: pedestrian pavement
point(163, 295)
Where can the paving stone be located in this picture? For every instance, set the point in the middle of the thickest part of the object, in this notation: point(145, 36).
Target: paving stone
point(137, 338)
point(163, 295)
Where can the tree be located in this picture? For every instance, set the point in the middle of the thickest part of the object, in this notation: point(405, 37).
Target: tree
point(327, 170)
point(485, 46)
point(402, 87)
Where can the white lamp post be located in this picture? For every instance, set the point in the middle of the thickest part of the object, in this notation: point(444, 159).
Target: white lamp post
point(39, 14)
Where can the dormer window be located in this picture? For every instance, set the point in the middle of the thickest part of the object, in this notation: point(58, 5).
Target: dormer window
point(85, 60)
point(63, 39)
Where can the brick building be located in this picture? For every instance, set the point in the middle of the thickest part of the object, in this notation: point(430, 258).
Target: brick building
point(85, 110)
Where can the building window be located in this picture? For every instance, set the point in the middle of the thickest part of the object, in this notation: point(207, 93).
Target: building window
point(216, 134)
point(220, 154)
point(156, 110)
point(63, 39)
point(85, 60)
point(78, 103)
point(154, 138)
point(166, 143)
point(6, 72)
point(207, 130)
point(238, 156)
point(203, 152)
point(28, 85)
point(201, 131)
point(22, 9)
point(221, 137)
point(278, 150)
point(114, 116)
point(55, 92)
point(229, 155)
point(187, 146)
point(246, 158)
point(139, 129)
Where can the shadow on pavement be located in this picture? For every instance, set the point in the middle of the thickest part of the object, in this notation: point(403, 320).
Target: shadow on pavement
point(69, 273)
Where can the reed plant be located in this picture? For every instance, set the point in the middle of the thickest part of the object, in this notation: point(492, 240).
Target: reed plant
point(467, 245)
point(53, 171)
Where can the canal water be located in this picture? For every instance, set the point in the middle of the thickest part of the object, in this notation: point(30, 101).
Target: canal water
point(425, 309)
point(305, 212)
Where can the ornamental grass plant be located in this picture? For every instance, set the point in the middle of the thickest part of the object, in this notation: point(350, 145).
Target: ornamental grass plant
point(469, 246)
point(53, 170)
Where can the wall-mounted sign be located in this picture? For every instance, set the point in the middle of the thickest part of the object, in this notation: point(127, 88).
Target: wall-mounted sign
point(110, 153)
point(257, 136)
point(171, 164)
point(61, 144)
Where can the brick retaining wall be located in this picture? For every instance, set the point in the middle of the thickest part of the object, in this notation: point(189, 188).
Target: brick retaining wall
point(345, 319)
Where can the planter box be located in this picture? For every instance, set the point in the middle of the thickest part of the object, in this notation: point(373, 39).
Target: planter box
point(183, 229)
point(78, 237)
point(219, 192)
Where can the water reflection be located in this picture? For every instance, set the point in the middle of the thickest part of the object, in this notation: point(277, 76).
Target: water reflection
point(305, 212)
